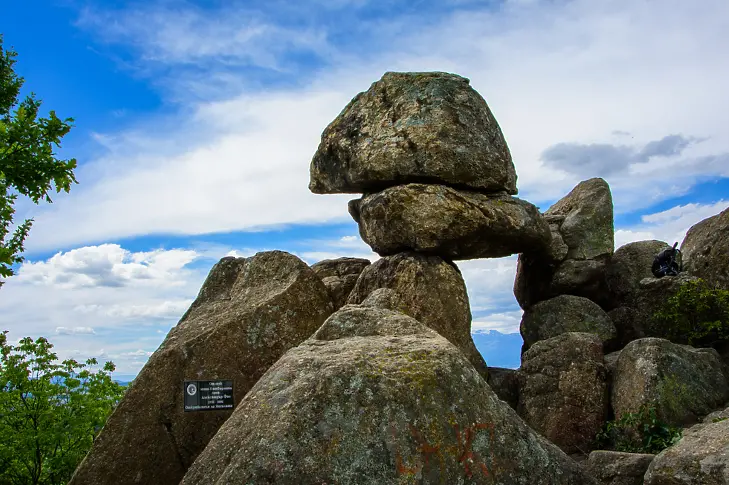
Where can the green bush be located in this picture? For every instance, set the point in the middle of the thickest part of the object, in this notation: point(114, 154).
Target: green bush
point(697, 315)
point(639, 432)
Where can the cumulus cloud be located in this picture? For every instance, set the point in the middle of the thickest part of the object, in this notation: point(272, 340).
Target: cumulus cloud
point(505, 322)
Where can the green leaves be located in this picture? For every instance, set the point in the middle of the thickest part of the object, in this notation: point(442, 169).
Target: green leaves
point(639, 432)
point(28, 163)
point(50, 411)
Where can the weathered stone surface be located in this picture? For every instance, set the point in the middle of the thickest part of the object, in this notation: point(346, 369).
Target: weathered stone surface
point(565, 313)
point(432, 291)
point(587, 227)
point(375, 397)
point(247, 314)
point(618, 468)
point(582, 277)
point(386, 298)
point(701, 457)
point(563, 390)
point(505, 383)
point(682, 383)
point(705, 249)
point(339, 276)
point(455, 224)
point(652, 295)
point(426, 127)
point(628, 266)
point(627, 325)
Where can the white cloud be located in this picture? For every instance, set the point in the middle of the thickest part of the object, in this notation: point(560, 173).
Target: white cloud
point(506, 322)
point(670, 225)
point(74, 330)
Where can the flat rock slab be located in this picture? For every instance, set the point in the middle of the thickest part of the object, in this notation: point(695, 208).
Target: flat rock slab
point(681, 382)
point(430, 290)
point(377, 398)
point(701, 457)
point(706, 248)
point(563, 390)
point(428, 127)
point(247, 314)
point(454, 224)
point(618, 468)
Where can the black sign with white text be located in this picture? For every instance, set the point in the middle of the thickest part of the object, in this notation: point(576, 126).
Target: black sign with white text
point(208, 395)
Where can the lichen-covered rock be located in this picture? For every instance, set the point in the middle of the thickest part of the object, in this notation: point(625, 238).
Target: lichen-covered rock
point(628, 266)
point(375, 397)
point(652, 295)
point(705, 249)
point(426, 127)
point(339, 276)
point(432, 291)
point(587, 227)
point(681, 382)
point(247, 314)
point(582, 230)
point(701, 457)
point(505, 383)
point(563, 390)
point(618, 468)
point(455, 224)
point(562, 314)
point(387, 299)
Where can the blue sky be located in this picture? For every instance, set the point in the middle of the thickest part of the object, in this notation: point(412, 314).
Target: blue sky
point(196, 123)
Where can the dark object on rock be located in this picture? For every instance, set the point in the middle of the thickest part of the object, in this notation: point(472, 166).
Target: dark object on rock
point(413, 127)
point(667, 262)
point(628, 266)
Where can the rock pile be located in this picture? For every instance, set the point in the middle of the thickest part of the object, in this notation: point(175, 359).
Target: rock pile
point(352, 372)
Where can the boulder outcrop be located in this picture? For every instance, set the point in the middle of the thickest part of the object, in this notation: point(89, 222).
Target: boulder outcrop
point(629, 265)
point(432, 291)
point(413, 127)
point(339, 276)
point(247, 314)
point(375, 397)
point(618, 468)
point(455, 224)
point(563, 390)
point(705, 249)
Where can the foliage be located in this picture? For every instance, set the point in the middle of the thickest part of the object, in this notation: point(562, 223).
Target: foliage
point(698, 315)
point(28, 164)
point(50, 412)
point(639, 432)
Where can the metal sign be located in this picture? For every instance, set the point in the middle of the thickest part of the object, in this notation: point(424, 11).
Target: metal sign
point(214, 395)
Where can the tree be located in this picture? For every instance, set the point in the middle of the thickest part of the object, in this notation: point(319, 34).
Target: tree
point(28, 163)
point(50, 412)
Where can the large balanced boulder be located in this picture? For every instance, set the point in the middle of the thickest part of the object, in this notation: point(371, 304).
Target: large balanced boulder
point(376, 398)
point(682, 383)
point(427, 127)
point(705, 249)
point(562, 314)
point(628, 266)
point(699, 458)
point(618, 468)
point(247, 314)
point(339, 276)
point(455, 224)
point(563, 390)
point(433, 292)
point(582, 244)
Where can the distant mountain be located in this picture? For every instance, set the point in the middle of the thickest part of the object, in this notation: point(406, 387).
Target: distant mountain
point(499, 349)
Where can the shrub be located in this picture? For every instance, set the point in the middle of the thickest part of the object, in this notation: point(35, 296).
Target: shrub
point(639, 432)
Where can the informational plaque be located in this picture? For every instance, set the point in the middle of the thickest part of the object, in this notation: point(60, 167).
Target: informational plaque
point(208, 395)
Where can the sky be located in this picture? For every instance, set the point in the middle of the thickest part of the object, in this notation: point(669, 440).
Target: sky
point(195, 123)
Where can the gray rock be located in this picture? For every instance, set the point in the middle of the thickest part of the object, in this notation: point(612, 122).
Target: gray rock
point(247, 314)
point(706, 248)
point(505, 383)
point(618, 468)
point(701, 457)
point(562, 314)
point(681, 382)
point(582, 277)
point(423, 127)
point(563, 390)
point(339, 276)
point(454, 224)
point(652, 295)
point(375, 397)
point(387, 299)
point(587, 228)
point(432, 291)
point(628, 266)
